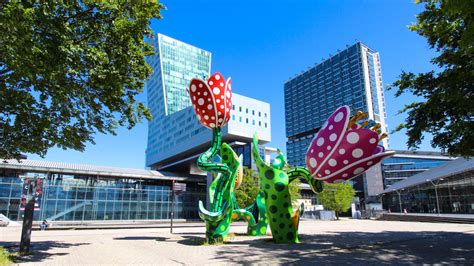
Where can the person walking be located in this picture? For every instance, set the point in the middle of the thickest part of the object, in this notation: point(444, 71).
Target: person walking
point(44, 225)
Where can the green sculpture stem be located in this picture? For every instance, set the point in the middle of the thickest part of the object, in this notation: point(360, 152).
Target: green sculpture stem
point(204, 161)
point(274, 181)
point(301, 172)
point(221, 190)
point(255, 215)
point(272, 205)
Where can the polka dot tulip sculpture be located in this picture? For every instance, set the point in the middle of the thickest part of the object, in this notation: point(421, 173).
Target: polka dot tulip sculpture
point(274, 181)
point(212, 102)
point(343, 148)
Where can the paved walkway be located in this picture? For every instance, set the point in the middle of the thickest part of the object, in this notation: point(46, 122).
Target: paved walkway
point(345, 241)
point(446, 215)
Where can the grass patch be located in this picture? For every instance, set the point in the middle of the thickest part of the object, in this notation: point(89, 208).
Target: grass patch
point(5, 258)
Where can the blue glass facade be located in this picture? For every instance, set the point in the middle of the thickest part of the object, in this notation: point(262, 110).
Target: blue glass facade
point(174, 65)
point(454, 193)
point(177, 63)
point(402, 166)
point(86, 198)
point(351, 77)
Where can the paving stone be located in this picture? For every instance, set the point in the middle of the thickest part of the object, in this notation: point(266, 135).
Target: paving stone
point(344, 241)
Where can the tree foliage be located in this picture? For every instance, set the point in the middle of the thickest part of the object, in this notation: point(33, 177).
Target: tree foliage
point(294, 190)
point(248, 190)
point(70, 69)
point(337, 197)
point(447, 111)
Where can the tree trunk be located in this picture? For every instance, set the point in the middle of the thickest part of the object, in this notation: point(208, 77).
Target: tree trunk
point(337, 215)
point(28, 215)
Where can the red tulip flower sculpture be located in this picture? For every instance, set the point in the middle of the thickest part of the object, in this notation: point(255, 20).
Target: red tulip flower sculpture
point(344, 149)
point(212, 100)
point(212, 103)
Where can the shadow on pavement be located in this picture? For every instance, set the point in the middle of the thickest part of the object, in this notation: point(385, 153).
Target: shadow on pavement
point(157, 238)
point(197, 233)
point(38, 250)
point(386, 247)
point(190, 240)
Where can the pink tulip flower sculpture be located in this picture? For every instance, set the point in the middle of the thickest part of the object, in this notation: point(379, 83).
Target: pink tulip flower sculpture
point(343, 148)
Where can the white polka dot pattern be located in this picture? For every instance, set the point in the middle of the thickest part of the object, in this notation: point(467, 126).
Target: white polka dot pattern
point(339, 153)
point(212, 100)
point(327, 138)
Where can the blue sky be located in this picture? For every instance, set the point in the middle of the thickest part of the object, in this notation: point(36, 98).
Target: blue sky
point(261, 44)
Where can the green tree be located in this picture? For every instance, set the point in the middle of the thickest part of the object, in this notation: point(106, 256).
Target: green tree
point(294, 189)
point(337, 197)
point(447, 109)
point(248, 190)
point(5, 257)
point(70, 69)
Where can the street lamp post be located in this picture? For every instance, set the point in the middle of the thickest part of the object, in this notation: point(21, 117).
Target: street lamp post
point(381, 199)
point(399, 199)
point(436, 192)
point(172, 205)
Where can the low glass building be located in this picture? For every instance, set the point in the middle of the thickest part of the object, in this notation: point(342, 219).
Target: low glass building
point(450, 186)
point(75, 192)
point(409, 163)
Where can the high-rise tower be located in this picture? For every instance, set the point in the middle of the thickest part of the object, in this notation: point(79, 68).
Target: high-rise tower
point(351, 77)
point(175, 136)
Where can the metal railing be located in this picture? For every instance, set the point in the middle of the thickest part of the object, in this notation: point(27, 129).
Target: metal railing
point(372, 214)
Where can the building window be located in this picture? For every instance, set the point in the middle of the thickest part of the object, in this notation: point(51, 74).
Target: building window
point(233, 107)
point(265, 124)
point(253, 112)
point(233, 117)
point(253, 122)
point(259, 114)
point(265, 115)
point(246, 110)
point(246, 120)
point(259, 123)
point(240, 119)
point(240, 108)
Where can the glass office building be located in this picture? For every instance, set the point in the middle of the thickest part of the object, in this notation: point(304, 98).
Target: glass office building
point(451, 186)
point(72, 192)
point(174, 65)
point(351, 77)
point(178, 63)
point(175, 136)
point(408, 163)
